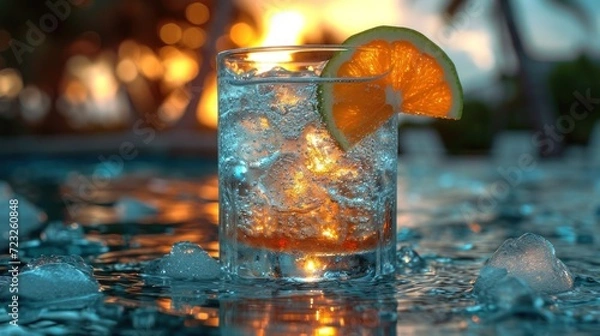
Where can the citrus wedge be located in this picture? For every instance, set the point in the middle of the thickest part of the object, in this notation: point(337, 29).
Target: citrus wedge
point(411, 74)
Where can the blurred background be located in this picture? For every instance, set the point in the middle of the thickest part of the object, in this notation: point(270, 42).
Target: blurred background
point(86, 75)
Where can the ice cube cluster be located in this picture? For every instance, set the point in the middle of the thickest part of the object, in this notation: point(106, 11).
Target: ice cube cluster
point(186, 261)
point(281, 169)
point(532, 260)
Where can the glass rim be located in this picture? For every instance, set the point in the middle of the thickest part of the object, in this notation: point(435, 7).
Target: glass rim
point(290, 47)
point(326, 51)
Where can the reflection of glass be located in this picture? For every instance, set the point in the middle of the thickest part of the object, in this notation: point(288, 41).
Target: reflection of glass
point(309, 314)
point(293, 205)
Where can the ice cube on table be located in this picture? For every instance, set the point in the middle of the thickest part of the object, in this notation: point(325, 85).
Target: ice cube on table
point(57, 277)
point(59, 232)
point(132, 209)
point(511, 295)
point(59, 238)
point(186, 261)
point(530, 258)
point(409, 261)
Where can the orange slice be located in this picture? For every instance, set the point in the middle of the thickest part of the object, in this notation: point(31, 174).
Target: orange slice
point(411, 74)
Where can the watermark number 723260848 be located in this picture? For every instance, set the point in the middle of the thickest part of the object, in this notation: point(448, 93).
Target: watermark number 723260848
point(14, 262)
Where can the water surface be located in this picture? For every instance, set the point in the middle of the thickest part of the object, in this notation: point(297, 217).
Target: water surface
point(452, 213)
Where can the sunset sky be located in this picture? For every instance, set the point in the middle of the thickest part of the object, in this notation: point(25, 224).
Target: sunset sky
point(473, 41)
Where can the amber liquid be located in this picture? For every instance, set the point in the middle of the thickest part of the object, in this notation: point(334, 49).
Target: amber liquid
point(316, 245)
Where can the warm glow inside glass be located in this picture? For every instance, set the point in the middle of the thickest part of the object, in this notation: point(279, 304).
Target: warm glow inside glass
point(293, 204)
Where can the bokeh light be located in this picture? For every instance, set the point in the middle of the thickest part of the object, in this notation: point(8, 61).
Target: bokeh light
point(127, 70)
point(11, 83)
point(149, 64)
point(242, 34)
point(207, 109)
point(180, 67)
point(170, 33)
point(193, 37)
point(35, 104)
point(197, 13)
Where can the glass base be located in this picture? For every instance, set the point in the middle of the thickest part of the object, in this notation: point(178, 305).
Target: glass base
point(259, 263)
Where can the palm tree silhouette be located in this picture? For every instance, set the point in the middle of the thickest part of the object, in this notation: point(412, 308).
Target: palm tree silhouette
point(530, 74)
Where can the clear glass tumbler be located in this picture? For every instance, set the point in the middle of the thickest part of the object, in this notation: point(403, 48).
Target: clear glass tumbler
point(292, 204)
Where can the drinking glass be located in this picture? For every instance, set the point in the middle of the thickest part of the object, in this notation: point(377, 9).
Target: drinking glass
point(293, 205)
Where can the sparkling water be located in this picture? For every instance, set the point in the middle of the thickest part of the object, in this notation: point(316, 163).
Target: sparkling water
point(293, 203)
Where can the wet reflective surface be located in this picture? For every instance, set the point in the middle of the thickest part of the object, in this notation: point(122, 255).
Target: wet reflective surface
point(453, 214)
